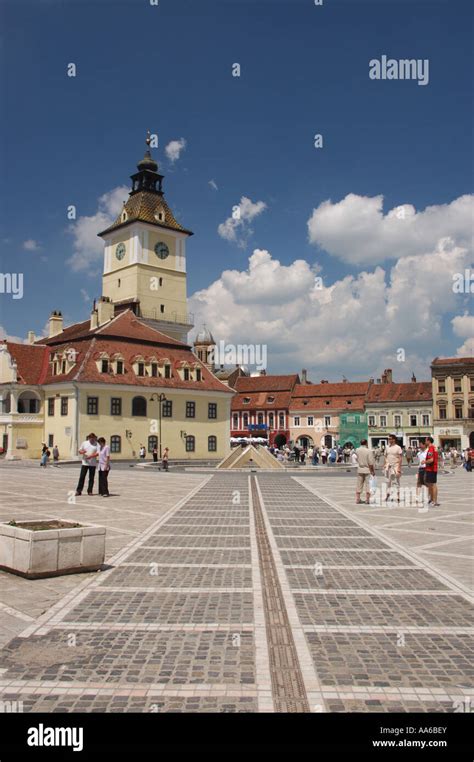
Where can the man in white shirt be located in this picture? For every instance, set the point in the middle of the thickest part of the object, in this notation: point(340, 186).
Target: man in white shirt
point(89, 450)
point(366, 468)
point(393, 465)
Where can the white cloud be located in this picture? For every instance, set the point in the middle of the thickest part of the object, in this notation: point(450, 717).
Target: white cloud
point(357, 231)
point(355, 325)
point(213, 184)
point(463, 325)
point(466, 349)
point(174, 148)
point(14, 339)
point(236, 228)
point(31, 245)
point(88, 248)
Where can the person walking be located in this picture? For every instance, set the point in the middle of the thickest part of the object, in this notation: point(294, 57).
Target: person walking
point(365, 469)
point(89, 450)
point(393, 466)
point(45, 455)
point(324, 455)
point(165, 459)
point(104, 467)
point(431, 471)
point(56, 456)
point(155, 454)
point(420, 479)
point(409, 456)
point(142, 452)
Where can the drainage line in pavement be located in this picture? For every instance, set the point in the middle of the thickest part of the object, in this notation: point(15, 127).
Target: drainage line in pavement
point(289, 694)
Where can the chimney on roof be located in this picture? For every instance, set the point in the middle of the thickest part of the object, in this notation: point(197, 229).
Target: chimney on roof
point(387, 376)
point(413, 378)
point(94, 320)
point(324, 381)
point(304, 379)
point(55, 324)
point(105, 310)
point(31, 337)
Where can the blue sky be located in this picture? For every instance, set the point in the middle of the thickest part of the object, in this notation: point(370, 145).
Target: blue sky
point(304, 70)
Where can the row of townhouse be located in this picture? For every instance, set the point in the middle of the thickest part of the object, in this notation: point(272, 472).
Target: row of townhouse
point(292, 410)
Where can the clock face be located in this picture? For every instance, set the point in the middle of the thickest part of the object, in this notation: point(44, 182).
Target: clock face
point(161, 250)
point(120, 251)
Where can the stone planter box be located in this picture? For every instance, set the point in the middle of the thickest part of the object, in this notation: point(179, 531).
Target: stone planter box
point(62, 549)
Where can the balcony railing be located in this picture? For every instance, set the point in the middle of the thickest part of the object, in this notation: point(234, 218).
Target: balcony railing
point(172, 317)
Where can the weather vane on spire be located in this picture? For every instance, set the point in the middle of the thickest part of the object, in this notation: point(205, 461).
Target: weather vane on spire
point(148, 138)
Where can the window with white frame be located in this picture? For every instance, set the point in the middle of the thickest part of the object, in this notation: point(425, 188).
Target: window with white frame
point(397, 421)
point(371, 420)
point(383, 421)
point(296, 420)
point(425, 419)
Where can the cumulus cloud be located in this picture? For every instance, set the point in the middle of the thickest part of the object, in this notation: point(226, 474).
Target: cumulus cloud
point(88, 248)
point(236, 228)
point(357, 231)
point(14, 339)
point(355, 325)
point(174, 149)
point(31, 245)
point(463, 325)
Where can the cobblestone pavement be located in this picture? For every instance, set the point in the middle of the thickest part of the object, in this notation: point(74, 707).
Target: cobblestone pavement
point(241, 593)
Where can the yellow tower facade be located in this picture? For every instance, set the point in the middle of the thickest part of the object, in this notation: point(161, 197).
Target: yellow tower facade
point(145, 256)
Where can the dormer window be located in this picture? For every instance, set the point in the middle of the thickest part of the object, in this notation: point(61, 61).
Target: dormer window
point(246, 400)
point(186, 374)
point(270, 399)
point(105, 366)
point(198, 374)
point(160, 215)
point(154, 369)
point(124, 216)
point(141, 369)
point(119, 367)
point(167, 371)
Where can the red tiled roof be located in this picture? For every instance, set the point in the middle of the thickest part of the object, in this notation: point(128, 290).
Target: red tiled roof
point(266, 383)
point(453, 361)
point(410, 392)
point(30, 361)
point(344, 389)
point(259, 401)
point(127, 336)
point(125, 325)
point(328, 403)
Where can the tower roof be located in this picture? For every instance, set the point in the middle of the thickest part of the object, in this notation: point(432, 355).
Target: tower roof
point(146, 202)
point(204, 336)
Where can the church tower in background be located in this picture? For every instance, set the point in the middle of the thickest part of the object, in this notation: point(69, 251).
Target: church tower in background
point(145, 257)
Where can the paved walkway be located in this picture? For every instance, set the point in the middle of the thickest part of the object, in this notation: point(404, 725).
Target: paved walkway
point(244, 593)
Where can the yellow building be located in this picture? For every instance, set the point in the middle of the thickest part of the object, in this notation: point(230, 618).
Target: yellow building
point(126, 373)
point(453, 401)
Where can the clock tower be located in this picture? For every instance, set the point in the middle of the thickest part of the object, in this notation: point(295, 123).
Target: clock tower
point(145, 256)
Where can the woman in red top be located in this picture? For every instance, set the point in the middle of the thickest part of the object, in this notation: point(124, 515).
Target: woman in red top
point(431, 471)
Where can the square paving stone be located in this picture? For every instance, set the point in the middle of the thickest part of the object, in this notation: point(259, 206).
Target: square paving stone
point(176, 576)
point(390, 610)
point(134, 657)
point(377, 659)
point(164, 608)
point(359, 579)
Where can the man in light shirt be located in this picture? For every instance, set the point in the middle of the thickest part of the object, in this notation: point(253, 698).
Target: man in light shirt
point(393, 465)
point(89, 450)
point(365, 469)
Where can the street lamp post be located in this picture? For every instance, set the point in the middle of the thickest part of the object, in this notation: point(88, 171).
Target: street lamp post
point(160, 398)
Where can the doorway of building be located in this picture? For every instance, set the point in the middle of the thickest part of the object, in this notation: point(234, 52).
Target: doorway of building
point(280, 440)
point(304, 442)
